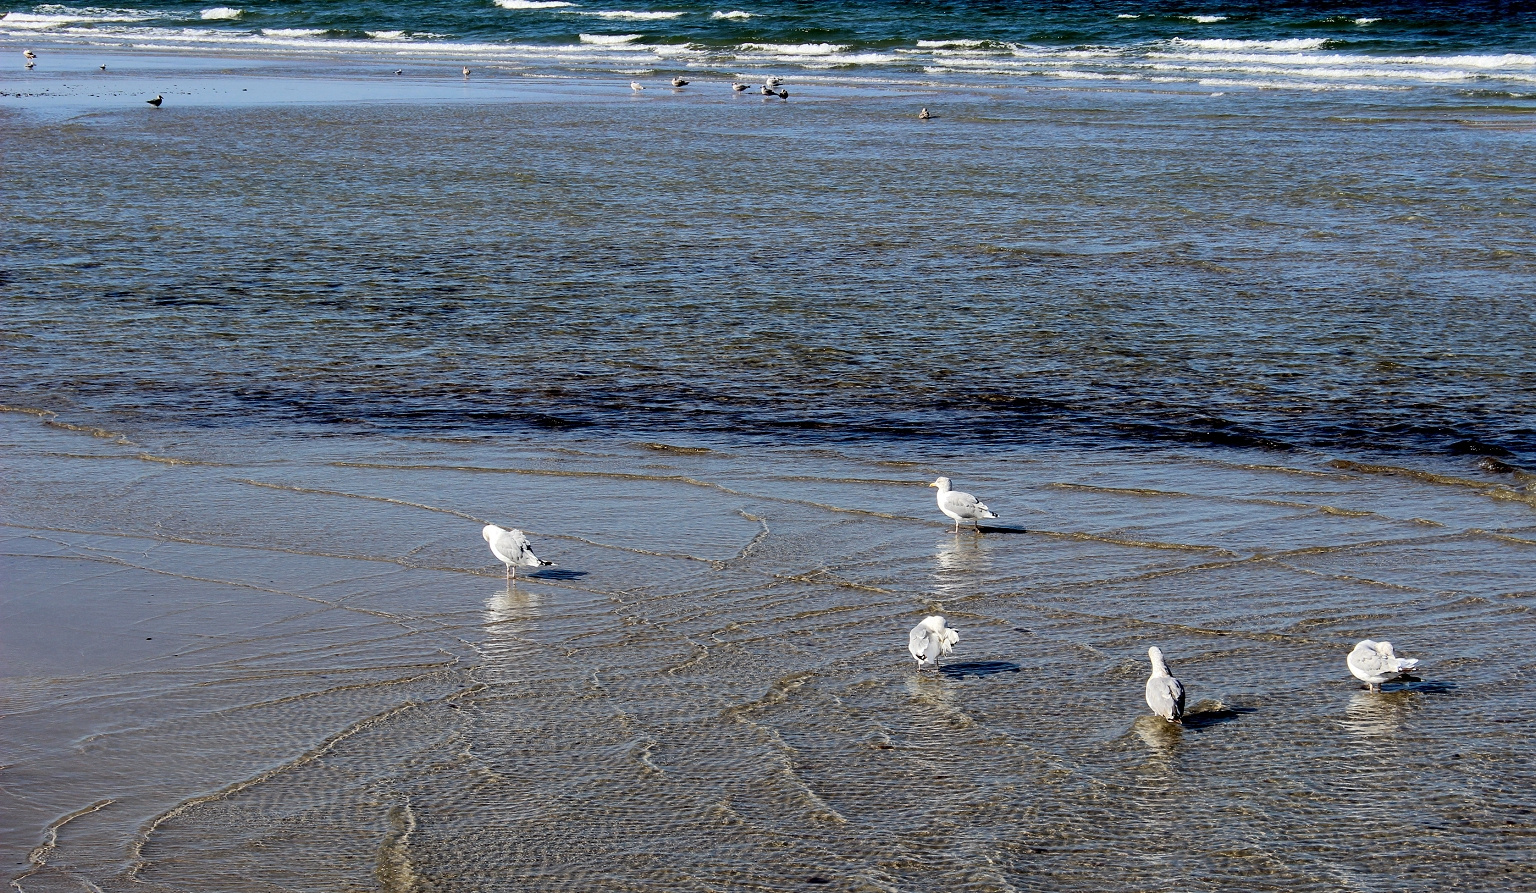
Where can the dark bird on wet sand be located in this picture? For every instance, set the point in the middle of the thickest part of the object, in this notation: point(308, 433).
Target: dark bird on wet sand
point(783, 94)
point(103, 68)
point(156, 101)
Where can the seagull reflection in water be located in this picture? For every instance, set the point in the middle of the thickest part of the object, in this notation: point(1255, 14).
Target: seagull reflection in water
point(507, 618)
point(1377, 714)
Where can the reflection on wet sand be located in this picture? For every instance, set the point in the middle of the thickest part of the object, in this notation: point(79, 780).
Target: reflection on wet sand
point(1377, 714)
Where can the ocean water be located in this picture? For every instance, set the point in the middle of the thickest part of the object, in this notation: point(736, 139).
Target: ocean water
point(1316, 46)
point(1226, 311)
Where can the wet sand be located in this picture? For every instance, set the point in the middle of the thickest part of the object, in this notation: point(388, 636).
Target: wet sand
point(234, 660)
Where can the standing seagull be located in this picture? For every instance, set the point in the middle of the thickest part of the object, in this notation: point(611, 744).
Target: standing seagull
point(1165, 694)
point(512, 548)
point(31, 65)
point(931, 640)
point(1374, 663)
point(923, 115)
point(156, 101)
point(103, 68)
point(960, 506)
point(636, 85)
point(29, 54)
point(466, 71)
point(783, 94)
point(772, 81)
point(679, 82)
point(739, 87)
point(767, 91)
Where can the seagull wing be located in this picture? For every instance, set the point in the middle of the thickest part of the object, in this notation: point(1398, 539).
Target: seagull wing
point(515, 545)
point(1166, 697)
point(917, 642)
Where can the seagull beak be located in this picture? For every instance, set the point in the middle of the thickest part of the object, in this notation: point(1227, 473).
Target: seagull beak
point(933, 485)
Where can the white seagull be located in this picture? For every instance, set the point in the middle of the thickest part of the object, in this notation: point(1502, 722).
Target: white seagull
point(1165, 694)
point(924, 115)
point(29, 54)
point(679, 82)
point(960, 506)
point(772, 81)
point(767, 91)
point(931, 640)
point(1374, 663)
point(636, 85)
point(739, 87)
point(466, 71)
point(512, 548)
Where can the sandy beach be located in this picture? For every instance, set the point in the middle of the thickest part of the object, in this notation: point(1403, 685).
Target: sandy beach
point(277, 350)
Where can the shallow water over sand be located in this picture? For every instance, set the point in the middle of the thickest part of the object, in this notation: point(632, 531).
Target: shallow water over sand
point(237, 661)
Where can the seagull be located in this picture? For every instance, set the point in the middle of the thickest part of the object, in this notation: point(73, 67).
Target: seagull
point(768, 91)
point(1165, 694)
point(512, 548)
point(960, 506)
point(399, 71)
point(103, 68)
point(466, 71)
point(29, 54)
point(156, 101)
point(679, 82)
point(31, 65)
point(636, 85)
point(923, 115)
point(1374, 663)
point(738, 87)
point(931, 640)
point(773, 81)
point(783, 94)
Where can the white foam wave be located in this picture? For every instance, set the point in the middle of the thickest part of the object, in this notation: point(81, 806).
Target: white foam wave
point(533, 4)
point(609, 40)
point(387, 35)
point(1294, 43)
point(1204, 20)
point(51, 16)
point(1366, 21)
point(733, 14)
point(951, 43)
point(221, 13)
point(795, 49)
point(633, 16)
point(1126, 15)
point(293, 32)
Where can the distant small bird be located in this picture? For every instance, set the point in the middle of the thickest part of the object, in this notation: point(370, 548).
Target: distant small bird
point(636, 85)
point(923, 115)
point(512, 548)
point(29, 54)
point(156, 101)
point(960, 506)
point(103, 68)
point(31, 65)
point(768, 91)
point(399, 71)
point(773, 81)
point(931, 640)
point(738, 87)
point(679, 82)
point(783, 94)
point(1374, 663)
point(1165, 694)
point(466, 71)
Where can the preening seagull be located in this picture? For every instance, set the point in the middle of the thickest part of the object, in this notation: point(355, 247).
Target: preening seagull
point(512, 548)
point(679, 82)
point(739, 87)
point(1374, 663)
point(931, 640)
point(960, 506)
point(156, 101)
point(636, 85)
point(924, 115)
point(1165, 694)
